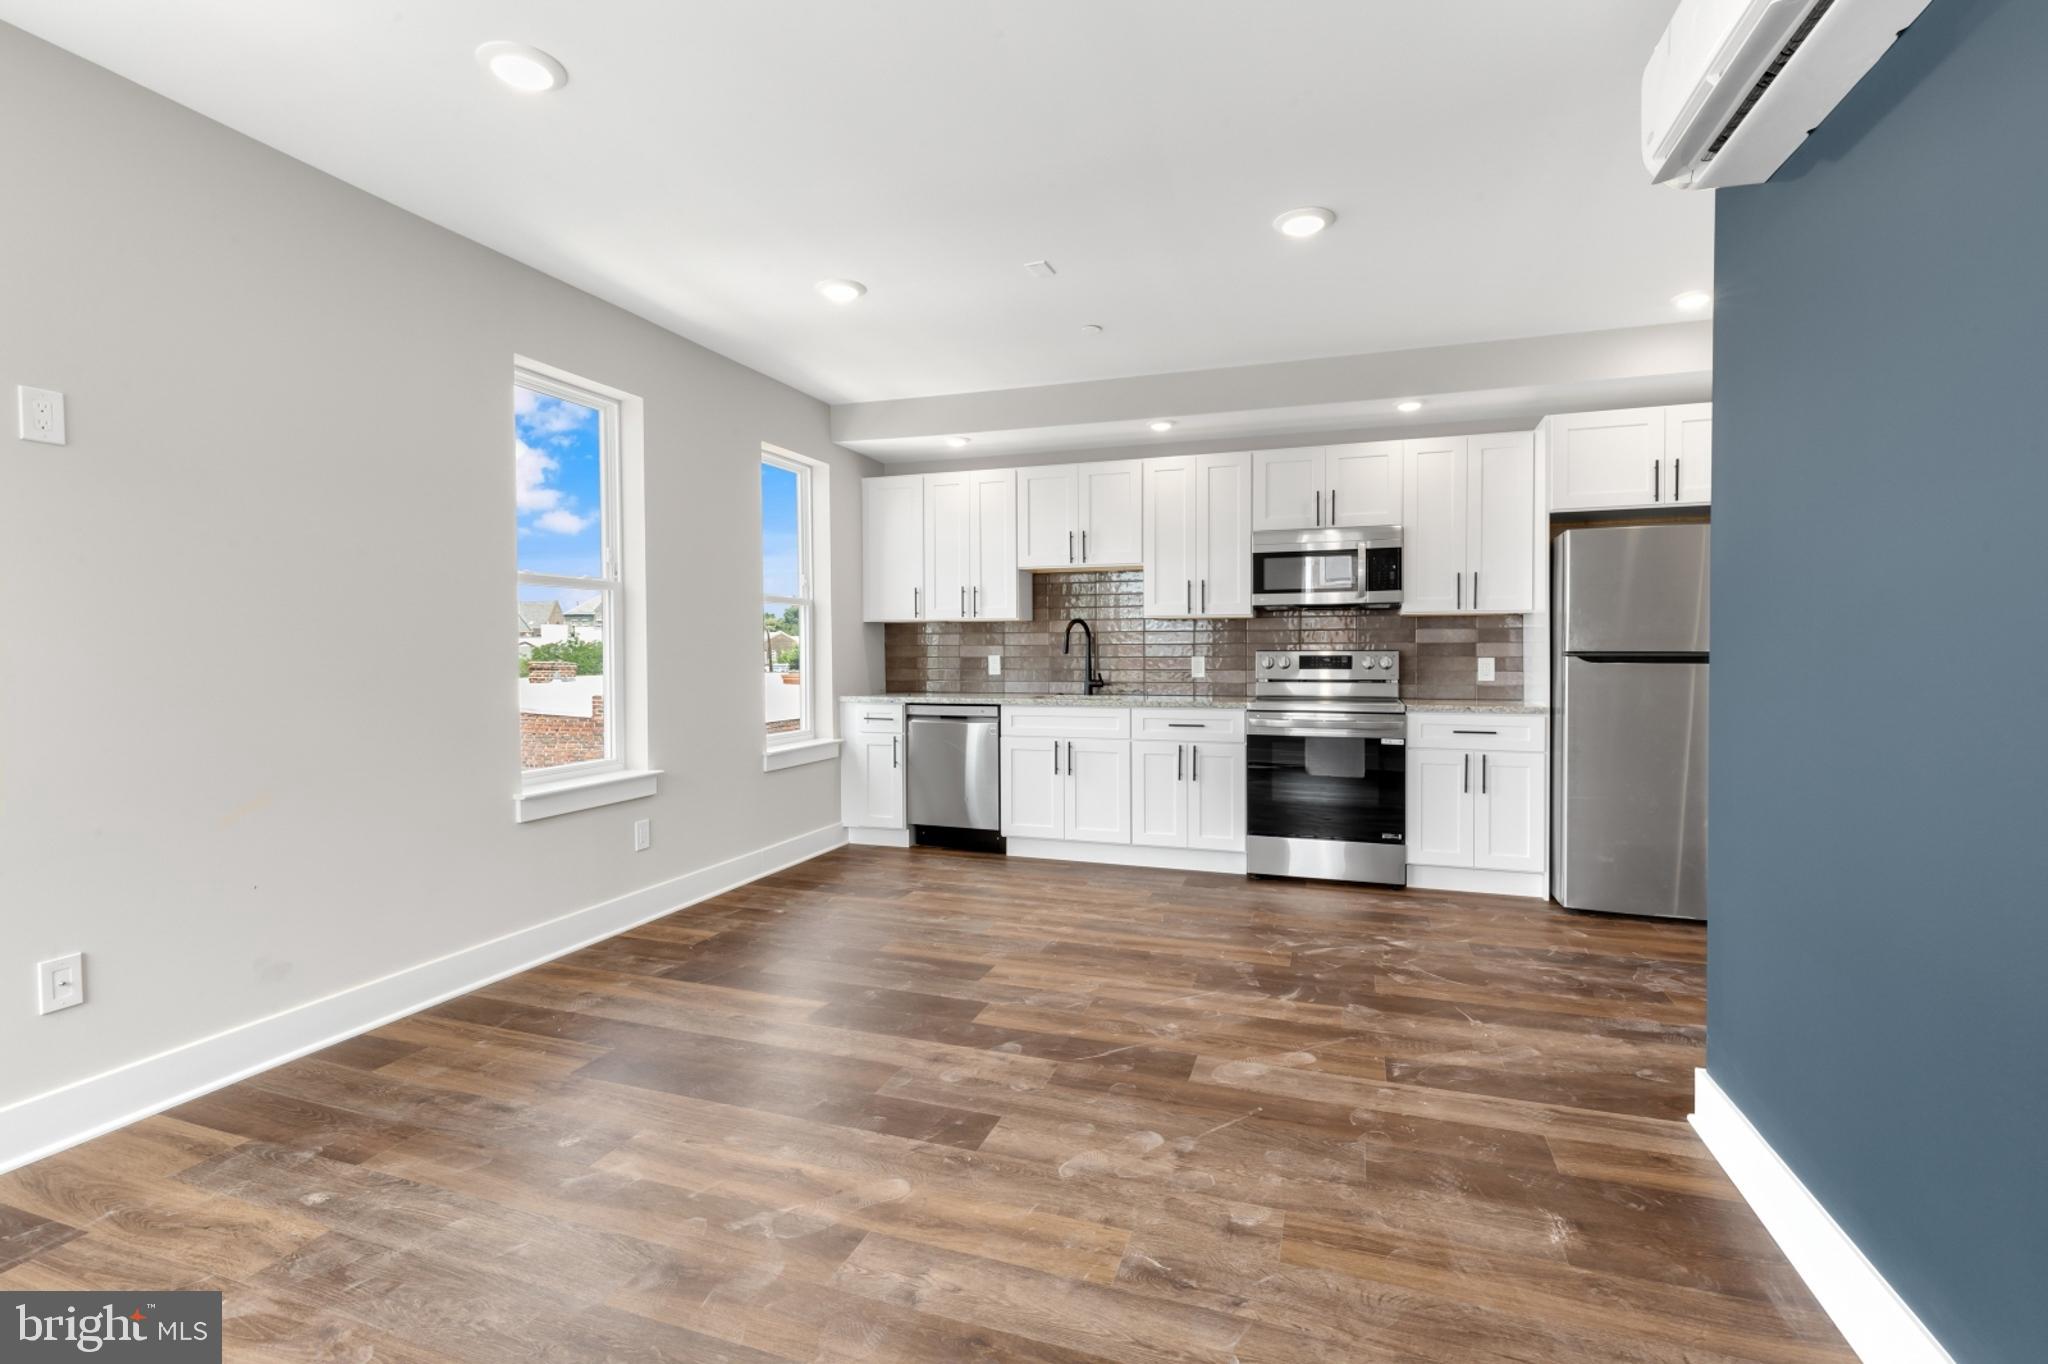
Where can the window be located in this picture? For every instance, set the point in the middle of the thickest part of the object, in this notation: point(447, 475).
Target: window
point(566, 468)
point(788, 612)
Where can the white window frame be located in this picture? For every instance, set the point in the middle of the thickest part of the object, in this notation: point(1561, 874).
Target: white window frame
point(582, 784)
point(812, 741)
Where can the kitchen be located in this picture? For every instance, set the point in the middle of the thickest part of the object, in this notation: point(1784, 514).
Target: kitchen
point(1322, 661)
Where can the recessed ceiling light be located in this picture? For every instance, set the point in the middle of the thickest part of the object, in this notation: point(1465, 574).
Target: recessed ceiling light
point(1162, 425)
point(1091, 329)
point(956, 442)
point(1304, 222)
point(1692, 301)
point(841, 290)
point(528, 70)
point(1409, 405)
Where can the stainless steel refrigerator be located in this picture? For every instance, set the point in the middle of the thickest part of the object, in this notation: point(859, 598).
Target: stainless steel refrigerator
point(1629, 755)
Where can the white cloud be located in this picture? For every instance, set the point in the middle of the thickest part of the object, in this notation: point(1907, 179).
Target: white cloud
point(540, 415)
point(531, 469)
point(561, 521)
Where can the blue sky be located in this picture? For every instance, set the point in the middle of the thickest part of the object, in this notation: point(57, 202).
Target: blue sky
point(558, 478)
point(781, 568)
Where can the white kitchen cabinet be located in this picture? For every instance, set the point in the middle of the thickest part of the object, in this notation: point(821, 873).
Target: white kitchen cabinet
point(1159, 802)
point(1507, 821)
point(1216, 810)
point(1098, 790)
point(1111, 498)
point(1434, 512)
point(1689, 445)
point(1500, 522)
point(1439, 808)
point(948, 545)
point(1048, 517)
point(871, 775)
point(892, 543)
point(1468, 525)
point(1197, 536)
point(1080, 515)
point(1188, 795)
point(1364, 482)
point(1033, 788)
point(997, 589)
point(1288, 487)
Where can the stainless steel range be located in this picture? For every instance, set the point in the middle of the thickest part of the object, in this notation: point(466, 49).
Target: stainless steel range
point(1326, 785)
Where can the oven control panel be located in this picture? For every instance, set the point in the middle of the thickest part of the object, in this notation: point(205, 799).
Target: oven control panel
point(1376, 665)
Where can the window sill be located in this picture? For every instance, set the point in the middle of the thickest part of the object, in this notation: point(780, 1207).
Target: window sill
point(798, 754)
point(584, 793)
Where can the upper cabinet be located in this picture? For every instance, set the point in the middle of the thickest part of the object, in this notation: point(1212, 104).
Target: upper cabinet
point(1632, 458)
point(1079, 515)
point(1468, 522)
point(1198, 535)
point(892, 548)
point(1317, 486)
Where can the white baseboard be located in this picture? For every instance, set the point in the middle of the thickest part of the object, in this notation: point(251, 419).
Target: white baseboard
point(1875, 1321)
point(45, 1124)
point(1475, 881)
point(1128, 855)
point(879, 838)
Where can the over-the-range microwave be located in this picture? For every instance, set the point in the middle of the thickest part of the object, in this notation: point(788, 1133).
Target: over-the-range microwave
point(1338, 566)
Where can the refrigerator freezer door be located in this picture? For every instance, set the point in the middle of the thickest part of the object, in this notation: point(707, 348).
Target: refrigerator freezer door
point(1632, 590)
point(1631, 788)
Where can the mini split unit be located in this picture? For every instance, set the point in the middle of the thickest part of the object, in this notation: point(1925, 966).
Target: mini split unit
point(1734, 86)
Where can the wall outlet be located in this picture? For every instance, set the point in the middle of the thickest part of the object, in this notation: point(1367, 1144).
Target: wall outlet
point(1485, 668)
point(643, 835)
point(1198, 666)
point(995, 665)
point(42, 414)
point(60, 983)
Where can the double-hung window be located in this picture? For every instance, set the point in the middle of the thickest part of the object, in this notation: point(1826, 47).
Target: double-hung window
point(788, 608)
point(571, 618)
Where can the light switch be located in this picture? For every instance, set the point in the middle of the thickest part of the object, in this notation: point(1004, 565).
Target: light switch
point(995, 665)
point(42, 414)
point(1198, 666)
point(60, 983)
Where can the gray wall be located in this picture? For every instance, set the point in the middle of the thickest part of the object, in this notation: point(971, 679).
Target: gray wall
point(1880, 739)
point(258, 737)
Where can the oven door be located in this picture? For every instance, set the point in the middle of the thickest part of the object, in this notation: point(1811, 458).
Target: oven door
point(1309, 577)
point(1308, 777)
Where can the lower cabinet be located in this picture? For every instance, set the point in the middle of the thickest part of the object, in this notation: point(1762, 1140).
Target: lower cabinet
point(1474, 805)
point(871, 773)
point(1078, 790)
point(1187, 795)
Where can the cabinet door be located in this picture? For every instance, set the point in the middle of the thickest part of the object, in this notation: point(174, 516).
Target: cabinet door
point(1216, 797)
point(1034, 794)
point(1111, 500)
point(1508, 823)
point(1048, 525)
point(1433, 512)
point(1365, 483)
point(1169, 554)
point(1223, 535)
point(1606, 459)
point(892, 548)
point(948, 545)
point(1098, 790)
point(1500, 522)
point(880, 758)
point(1440, 785)
point(1689, 445)
point(993, 591)
point(1159, 793)
point(1288, 489)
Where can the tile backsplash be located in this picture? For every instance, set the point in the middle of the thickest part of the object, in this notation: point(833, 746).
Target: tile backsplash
point(1439, 654)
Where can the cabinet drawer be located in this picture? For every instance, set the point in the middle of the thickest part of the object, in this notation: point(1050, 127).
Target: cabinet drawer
point(1500, 733)
point(874, 718)
point(1067, 722)
point(1210, 726)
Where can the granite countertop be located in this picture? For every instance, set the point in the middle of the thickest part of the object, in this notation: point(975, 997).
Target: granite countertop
point(1482, 707)
point(1051, 699)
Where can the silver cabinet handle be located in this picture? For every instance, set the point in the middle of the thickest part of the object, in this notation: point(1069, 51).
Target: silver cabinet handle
point(1070, 547)
point(1677, 483)
point(1084, 546)
point(1475, 731)
point(977, 599)
point(1055, 758)
point(1186, 724)
point(1194, 763)
point(1656, 480)
point(916, 606)
point(1482, 774)
point(892, 754)
point(1319, 506)
point(1180, 762)
point(1070, 757)
point(1465, 788)
point(963, 601)
point(1475, 589)
point(1461, 591)
point(1205, 596)
point(1333, 506)
point(1191, 596)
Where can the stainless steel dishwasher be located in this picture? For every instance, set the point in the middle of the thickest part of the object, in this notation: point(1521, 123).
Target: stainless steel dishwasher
point(955, 783)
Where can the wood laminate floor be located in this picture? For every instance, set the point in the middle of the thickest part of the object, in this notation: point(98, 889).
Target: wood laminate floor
point(916, 1106)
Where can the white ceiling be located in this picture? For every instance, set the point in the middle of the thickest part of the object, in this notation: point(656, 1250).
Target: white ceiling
point(710, 159)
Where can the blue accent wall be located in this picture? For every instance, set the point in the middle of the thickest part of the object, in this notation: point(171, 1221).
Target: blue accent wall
point(1878, 951)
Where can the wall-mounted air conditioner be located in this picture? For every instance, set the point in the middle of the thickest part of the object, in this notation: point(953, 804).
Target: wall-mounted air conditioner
point(1734, 86)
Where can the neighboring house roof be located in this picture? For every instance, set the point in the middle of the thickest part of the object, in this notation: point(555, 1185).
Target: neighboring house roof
point(590, 608)
point(534, 614)
point(775, 641)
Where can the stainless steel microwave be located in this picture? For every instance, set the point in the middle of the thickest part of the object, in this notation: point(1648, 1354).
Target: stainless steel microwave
point(1340, 566)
